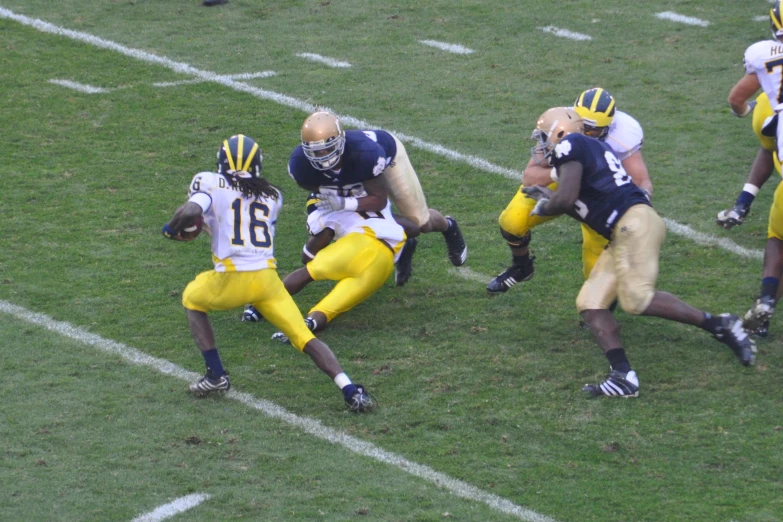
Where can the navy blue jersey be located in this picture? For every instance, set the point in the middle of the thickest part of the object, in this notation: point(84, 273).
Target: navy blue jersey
point(366, 155)
point(607, 191)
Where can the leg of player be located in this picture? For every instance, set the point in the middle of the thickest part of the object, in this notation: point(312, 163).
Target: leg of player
point(216, 378)
point(622, 380)
point(404, 265)
point(760, 171)
point(726, 328)
point(355, 395)
point(455, 242)
point(521, 268)
point(757, 318)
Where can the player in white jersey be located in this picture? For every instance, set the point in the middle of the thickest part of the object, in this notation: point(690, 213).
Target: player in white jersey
point(601, 120)
point(366, 246)
point(240, 209)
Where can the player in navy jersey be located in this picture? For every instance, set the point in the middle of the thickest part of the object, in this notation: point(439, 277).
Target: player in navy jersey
point(358, 170)
point(595, 189)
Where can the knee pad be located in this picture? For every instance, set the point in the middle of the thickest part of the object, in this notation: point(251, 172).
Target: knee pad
point(635, 303)
point(516, 241)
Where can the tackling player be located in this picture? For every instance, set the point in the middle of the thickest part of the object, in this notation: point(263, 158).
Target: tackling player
point(240, 208)
point(601, 120)
point(595, 189)
point(361, 259)
point(358, 170)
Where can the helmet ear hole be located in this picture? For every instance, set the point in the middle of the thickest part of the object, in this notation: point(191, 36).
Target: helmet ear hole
point(560, 135)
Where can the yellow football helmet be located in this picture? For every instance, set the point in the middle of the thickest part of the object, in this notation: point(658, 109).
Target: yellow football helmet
point(323, 140)
point(596, 108)
point(552, 126)
point(776, 21)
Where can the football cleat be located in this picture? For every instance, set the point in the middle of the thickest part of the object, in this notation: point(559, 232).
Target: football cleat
point(616, 384)
point(735, 336)
point(251, 315)
point(455, 243)
point(360, 401)
point(405, 263)
point(759, 315)
point(511, 276)
point(732, 217)
point(283, 338)
point(208, 384)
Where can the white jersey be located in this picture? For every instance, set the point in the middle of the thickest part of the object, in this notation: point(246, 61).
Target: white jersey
point(243, 229)
point(380, 225)
point(765, 60)
point(625, 135)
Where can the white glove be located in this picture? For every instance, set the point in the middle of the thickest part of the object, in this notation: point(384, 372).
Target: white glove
point(539, 205)
point(331, 203)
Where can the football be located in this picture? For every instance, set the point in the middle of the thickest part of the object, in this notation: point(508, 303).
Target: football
point(192, 232)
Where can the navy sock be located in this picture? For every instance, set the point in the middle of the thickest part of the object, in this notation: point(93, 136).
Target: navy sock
point(214, 366)
point(769, 287)
point(349, 390)
point(745, 199)
point(523, 261)
point(618, 361)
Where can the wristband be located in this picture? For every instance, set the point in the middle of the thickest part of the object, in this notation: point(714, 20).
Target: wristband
point(307, 252)
point(352, 204)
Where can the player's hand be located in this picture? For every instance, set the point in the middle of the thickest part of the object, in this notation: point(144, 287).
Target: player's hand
point(751, 105)
point(539, 206)
point(537, 192)
point(330, 203)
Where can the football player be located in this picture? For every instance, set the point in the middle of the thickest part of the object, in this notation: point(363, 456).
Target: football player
point(358, 170)
point(603, 121)
point(361, 258)
point(595, 189)
point(764, 70)
point(240, 208)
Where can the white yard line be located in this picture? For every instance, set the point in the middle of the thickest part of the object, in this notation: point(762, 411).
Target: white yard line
point(81, 87)
point(243, 76)
point(565, 33)
point(689, 20)
point(270, 409)
point(443, 46)
point(764, 18)
point(288, 101)
point(172, 508)
point(331, 62)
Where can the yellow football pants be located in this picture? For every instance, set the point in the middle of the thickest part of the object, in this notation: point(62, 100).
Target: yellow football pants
point(360, 263)
point(263, 289)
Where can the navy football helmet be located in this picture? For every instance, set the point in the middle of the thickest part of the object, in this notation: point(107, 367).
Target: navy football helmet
point(240, 154)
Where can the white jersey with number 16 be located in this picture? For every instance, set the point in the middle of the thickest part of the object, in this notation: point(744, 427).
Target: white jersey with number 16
point(242, 228)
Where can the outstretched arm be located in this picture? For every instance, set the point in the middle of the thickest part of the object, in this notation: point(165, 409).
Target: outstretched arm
point(742, 91)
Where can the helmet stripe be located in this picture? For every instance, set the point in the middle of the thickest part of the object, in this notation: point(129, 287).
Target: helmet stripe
point(249, 160)
point(229, 156)
point(240, 151)
point(775, 19)
point(596, 98)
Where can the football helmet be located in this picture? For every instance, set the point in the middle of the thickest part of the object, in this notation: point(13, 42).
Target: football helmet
point(240, 156)
point(552, 126)
point(596, 108)
point(775, 21)
point(323, 140)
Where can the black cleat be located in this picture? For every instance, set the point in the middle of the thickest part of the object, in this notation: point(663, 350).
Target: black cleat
point(360, 401)
point(405, 263)
point(616, 384)
point(455, 243)
point(732, 334)
point(208, 384)
point(511, 276)
point(210, 3)
point(251, 315)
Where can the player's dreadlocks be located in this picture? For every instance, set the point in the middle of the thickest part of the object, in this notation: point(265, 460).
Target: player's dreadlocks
point(255, 187)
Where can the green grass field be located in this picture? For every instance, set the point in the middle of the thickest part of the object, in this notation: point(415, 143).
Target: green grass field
point(483, 391)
